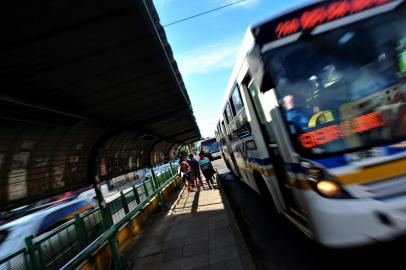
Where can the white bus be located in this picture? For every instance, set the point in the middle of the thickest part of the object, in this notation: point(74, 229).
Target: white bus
point(314, 118)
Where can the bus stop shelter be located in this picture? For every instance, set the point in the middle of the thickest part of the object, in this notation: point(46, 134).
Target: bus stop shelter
point(90, 90)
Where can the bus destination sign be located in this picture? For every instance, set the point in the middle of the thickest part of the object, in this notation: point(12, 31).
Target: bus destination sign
point(324, 13)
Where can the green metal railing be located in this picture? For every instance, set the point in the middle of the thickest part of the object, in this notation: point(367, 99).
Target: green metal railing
point(17, 261)
point(77, 239)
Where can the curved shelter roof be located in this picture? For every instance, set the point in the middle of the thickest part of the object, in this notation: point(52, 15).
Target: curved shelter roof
point(87, 88)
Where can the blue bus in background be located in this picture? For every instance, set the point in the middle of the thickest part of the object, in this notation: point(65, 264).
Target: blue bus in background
point(211, 147)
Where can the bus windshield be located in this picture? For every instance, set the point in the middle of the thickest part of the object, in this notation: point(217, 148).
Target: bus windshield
point(210, 146)
point(345, 88)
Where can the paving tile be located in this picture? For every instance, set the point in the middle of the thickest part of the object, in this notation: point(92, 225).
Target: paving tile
point(221, 242)
point(198, 237)
point(149, 250)
point(172, 265)
point(220, 232)
point(173, 254)
point(150, 263)
point(206, 267)
point(174, 243)
point(219, 206)
point(215, 213)
point(201, 260)
point(217, 225)
point(176, 235)
point(223, 254)
point(198, 228)
point(196, 248)
point(153, 240)
point(231, 264)
point(217, 218)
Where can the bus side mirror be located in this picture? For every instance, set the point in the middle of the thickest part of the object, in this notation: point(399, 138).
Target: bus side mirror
point(251, 145)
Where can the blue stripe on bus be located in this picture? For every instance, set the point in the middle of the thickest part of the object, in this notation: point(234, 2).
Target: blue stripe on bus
point(390, 150)
point(332, 162)
point(338, 161)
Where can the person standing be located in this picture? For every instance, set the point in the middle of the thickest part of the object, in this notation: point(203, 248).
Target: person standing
point(196, 177)
point(206, 167)
point(187, 173)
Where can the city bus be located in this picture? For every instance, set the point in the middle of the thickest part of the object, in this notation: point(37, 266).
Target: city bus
point(314, 118)
point(211, 146)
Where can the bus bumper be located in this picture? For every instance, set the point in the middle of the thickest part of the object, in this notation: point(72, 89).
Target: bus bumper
point(355, 222)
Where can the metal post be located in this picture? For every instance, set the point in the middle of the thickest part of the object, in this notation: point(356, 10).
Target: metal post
point(136, 195)
point(160, 199)
point(119, 261)
point(107, 220)
point(105, 213)
point(174, 173)
point(124, 202)
point(145, 188)
point(172, 169)
point(81, 230)
point(36, 265)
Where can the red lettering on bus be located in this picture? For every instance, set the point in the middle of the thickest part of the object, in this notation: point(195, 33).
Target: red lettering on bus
point(381, 2)
point(337, 10)
point(334, 132)
point(311, 18)
point(346, 128)
point(287, 28)
point(308, 140)
point(359, 5)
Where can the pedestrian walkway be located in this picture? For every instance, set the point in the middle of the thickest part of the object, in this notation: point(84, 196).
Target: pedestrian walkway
point(197, 232)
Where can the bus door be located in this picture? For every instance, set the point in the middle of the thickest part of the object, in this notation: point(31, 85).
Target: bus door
point(278, 148)
point(229, 149)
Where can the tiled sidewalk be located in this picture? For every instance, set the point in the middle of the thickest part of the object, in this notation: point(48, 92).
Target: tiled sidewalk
point(198, 232)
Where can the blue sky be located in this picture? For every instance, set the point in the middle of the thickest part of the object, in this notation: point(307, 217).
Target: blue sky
point(206, 47)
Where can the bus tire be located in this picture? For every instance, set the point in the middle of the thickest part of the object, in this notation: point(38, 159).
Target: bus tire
point(265, 193)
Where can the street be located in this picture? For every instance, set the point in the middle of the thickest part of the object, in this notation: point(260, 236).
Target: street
point(275, 243)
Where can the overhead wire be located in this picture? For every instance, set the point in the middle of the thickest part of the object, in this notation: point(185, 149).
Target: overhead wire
point(205, 12)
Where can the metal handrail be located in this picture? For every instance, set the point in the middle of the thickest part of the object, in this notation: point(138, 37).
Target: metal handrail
point(105, 237)
point(33, 257)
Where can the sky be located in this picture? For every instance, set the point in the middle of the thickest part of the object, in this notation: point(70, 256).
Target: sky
point(206, 47)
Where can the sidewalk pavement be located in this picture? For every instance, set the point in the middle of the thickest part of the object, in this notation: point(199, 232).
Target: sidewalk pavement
point(198, 232)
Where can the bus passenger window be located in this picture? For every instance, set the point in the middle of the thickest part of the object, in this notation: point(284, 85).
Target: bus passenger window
point(253, 90)
point(236, 101)
point(228, 114)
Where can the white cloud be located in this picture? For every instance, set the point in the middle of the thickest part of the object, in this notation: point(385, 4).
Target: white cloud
point(208, 58)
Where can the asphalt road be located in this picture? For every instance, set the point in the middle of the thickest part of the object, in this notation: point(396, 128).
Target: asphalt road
point(275, 243)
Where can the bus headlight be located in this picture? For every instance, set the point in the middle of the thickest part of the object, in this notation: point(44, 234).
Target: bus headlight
point(324, 184)
point(328, 188)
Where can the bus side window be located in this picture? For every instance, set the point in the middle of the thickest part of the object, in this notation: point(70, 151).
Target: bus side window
point(228, 115)
point(253, 90)
point(240, 126)
point(223, 128)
